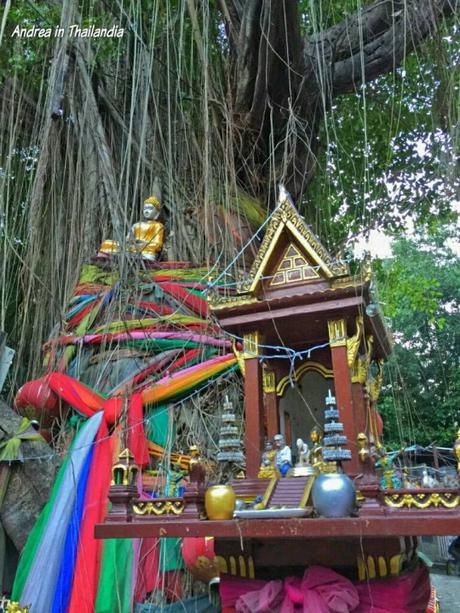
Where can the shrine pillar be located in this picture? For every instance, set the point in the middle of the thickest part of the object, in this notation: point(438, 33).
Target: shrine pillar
point(359, 395)
point(343, 390)
point(253, 404)
point(272, 421)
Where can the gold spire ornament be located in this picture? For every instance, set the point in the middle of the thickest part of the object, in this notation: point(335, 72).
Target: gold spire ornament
point(125, 471)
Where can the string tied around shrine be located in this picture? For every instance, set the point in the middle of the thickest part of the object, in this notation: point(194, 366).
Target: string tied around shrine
point(212, 284)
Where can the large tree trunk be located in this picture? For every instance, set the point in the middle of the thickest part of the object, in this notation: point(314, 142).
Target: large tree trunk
point(283, 84)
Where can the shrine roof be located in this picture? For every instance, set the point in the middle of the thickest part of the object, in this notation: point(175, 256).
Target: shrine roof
point(291, 261)
point(295, 280)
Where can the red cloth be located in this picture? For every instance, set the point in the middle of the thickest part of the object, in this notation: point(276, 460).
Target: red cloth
point(38, 394)
point(88, 402)
point(76, 319)
point(197, 304)
point(148, 573)
point(137, 443)
point(86, 574)
point(407, 593)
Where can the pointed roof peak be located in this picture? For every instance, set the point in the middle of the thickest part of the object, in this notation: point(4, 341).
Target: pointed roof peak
point(301, 239)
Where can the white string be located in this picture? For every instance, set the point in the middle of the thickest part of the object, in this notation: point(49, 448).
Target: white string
point(243, 249)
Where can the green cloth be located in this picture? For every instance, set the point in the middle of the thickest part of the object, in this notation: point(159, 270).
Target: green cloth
point(93, 274)
point(157, 426)
point(115, 582)
point(170, 554)
point(158, 431)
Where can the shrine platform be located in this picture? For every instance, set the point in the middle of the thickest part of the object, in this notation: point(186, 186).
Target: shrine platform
point(438, 522)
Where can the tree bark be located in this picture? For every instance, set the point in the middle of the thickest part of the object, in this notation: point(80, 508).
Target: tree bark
point(283, 84)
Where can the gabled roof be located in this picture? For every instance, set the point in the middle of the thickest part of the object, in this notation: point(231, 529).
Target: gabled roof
point(302, 251)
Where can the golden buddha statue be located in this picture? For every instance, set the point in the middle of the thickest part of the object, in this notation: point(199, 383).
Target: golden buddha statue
point(316, 452)
point(146, 237)
point(267, 468)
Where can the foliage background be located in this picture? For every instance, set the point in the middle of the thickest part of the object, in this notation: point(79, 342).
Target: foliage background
point(86, 127)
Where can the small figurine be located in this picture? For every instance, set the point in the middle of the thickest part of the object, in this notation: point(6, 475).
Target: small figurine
point(267, 468)
point(389, 479)
point(366, 460)
point(283, 454)
point(197, 470)
point(428, 481)
point(316, 452)
point(304, 453)
point(146, 237)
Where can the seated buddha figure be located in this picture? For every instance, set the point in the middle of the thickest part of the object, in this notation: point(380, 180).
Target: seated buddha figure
point(316, 452)
point(146, 237)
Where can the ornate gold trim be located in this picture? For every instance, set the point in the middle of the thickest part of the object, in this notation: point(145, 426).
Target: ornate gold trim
point(268, 493)
point(287, 217)
point(354, 342)
point(251, 568)
point(240, 357)
point(269, 381)
point(337, 329)
point(327, 373)
point(125, 471)
point(217, 301)
point(159, 507)
point(448, 500)
point(306, 492)
point(374, 384)
point(359, 370)
point(222, 563)
point(251, 342)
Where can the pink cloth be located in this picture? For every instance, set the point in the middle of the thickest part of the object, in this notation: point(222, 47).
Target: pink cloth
point(322, 590)
point(408, 593)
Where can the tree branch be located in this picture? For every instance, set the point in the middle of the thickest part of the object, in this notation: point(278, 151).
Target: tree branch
point(374, 41)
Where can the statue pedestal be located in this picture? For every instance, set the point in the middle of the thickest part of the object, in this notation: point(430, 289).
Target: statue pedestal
point(301, 471)
point(371, 504)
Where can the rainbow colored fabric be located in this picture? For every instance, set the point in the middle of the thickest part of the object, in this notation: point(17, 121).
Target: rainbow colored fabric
point(63, 568)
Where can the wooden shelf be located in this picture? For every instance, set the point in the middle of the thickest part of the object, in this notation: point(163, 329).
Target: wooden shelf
point(434, 522)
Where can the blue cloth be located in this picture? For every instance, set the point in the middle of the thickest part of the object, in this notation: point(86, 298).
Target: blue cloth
point(64, 582)
point(283, 468)
point(41, 582)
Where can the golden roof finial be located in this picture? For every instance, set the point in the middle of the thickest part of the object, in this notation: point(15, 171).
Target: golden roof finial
point(125, 471)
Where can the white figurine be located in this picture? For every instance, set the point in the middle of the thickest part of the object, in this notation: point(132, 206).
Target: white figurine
point(283, 454)
point(303, 453)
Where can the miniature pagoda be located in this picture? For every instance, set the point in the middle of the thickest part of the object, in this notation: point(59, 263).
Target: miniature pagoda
point(334, 440)
point(229, 442)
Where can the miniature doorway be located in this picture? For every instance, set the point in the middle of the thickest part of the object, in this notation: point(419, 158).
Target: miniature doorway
point(302, 405)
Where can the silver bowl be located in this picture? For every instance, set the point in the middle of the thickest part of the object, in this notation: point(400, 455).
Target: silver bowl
point(334, 495)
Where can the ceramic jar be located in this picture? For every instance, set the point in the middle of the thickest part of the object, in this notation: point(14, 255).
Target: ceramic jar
point(219, 502)
point(333, 495)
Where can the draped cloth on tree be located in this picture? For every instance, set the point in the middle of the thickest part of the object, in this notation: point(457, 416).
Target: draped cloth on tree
point(74, 580)
point(185, 352)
